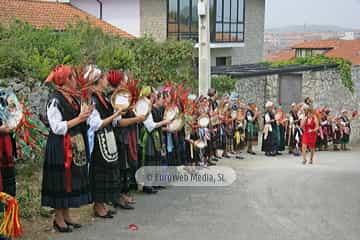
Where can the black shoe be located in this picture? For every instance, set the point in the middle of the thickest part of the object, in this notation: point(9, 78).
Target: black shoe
point(62, 229)
point(112, 212)
point(227, 156)
point(278, 153)
point(108, 215)
point(251, 153)
point(211, 163)
point(74, 225)
point(159, 187)
point(149, 190)
point(239, 157)
point(124, 206)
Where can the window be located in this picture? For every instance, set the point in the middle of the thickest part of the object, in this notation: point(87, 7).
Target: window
point(226, 20)
point(182, 20)
point(223, 61)
point(229, 18)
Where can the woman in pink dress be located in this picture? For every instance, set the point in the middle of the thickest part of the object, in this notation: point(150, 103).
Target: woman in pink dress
point(310, 126)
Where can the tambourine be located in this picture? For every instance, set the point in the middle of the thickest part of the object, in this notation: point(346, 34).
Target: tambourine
point(121, 99)
point(171, 113)
point(215, 120)
point(240, 116)
point(204, 121)
point(278, 116)
point(142, 107)
point(10, 109)
point(233, 115)
point(177, 124)
point(200, 144)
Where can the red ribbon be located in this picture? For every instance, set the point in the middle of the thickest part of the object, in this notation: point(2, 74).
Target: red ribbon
point(68, 161)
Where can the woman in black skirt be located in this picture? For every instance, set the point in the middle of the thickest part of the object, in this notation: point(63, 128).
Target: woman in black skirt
point(104, 165)
point(65, 175)
point(126, 135)
point(269, 143)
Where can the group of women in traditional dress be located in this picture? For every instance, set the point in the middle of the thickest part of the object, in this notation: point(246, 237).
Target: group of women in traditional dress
point(304, 128)
point(94, 149)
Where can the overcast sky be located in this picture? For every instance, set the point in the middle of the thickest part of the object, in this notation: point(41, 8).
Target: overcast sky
point(343, 13)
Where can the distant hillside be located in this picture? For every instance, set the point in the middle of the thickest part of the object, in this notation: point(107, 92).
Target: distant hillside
point(311, 28)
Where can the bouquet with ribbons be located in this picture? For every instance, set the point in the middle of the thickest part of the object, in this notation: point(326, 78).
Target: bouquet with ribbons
point(10, 226)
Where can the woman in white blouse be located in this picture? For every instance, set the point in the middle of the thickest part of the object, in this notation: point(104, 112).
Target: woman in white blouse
point(65, 175)
point(104, 164)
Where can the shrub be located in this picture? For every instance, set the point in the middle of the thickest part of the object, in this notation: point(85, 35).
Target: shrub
point(26, 52)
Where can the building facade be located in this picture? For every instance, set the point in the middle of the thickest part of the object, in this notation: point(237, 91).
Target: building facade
point(237, 26)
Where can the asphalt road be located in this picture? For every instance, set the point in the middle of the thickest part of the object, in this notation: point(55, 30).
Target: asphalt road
point(272, 199)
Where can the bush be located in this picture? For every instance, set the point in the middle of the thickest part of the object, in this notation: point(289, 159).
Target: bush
point(26, 52)
point(223, 84)
point(343, 66)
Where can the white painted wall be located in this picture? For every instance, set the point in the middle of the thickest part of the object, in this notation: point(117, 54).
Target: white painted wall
point(124, 14)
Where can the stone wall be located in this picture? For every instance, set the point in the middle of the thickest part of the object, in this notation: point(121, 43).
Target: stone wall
point(325, 87)
point(36, 96)
point(153, 20)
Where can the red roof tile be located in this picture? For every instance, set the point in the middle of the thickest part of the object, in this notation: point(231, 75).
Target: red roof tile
point(281, 56)
point(346, 49)
point(317, 44)
point(52, 14)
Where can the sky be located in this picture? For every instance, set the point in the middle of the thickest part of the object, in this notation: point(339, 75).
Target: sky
point(343, 13)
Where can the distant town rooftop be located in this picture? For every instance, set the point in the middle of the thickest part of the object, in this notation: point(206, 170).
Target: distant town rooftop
point(346, 49)
point(51, 14)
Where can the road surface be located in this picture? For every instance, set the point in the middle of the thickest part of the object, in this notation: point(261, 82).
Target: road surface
point(272, 199)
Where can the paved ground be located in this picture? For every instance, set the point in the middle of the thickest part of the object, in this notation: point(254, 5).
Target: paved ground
point(272, 199)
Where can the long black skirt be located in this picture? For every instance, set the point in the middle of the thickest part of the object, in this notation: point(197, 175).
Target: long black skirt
point(154, 160)
point(53, 193)
point(8, 180)
point(127, 168)
point(104, 178)
point(269, 144)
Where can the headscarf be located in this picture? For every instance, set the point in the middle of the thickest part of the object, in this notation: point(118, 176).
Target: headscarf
point(115, 77)
point(269, 104)
point(59, 75)
point(92, 73)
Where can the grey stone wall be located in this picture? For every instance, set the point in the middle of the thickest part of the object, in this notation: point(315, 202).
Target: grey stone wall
point(325, 87)
point(36, 94)
point(153, 20)
point(252, 90)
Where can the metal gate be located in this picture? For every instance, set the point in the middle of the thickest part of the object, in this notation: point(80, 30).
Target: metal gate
point(290, 90)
